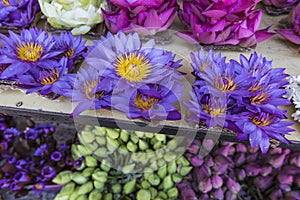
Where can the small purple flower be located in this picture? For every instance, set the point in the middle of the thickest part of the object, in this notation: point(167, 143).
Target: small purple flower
point(41, 150)
point(12, 159)
point(31, 134)
point(21, 177)
point(10, 133)
point(21, 165)
point(48, 172)
point(4, 183)
point(15, 186)
point(38, 187)
point(69, 160)
point(3, 147)
point(56, 156)
point(78, 162)
point(233, 186)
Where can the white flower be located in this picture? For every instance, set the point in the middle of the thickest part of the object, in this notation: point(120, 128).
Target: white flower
point(293, 94)
point(81, 15)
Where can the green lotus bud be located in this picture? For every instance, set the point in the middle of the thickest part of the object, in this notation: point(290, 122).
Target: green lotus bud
point(148, 170)
point(105, 165)
point(92, 146)
point(124, 135)
point(83, 151)
point(112, 144)
point(128, 168)
point(101, 152)
point(90, 161)
point(67, 189)
point(135, 139)
point(85, 188)
point(108, 196)
point(185, 170)
point(143, 145)
point(167, 182)
point(172, 167)
point(157, 145)
point(163, 195)
point(87, 137)
point(81, 167)
point(140, 134)
point(95, 195)
point(149, 135)
point(99, 185)
point(159, 153)
point(129, 186)
point(82, 197)
point(79, 178)
point(154, 166)
point(169, 156)
point(177, 178)
point(75, 153)
point(63, 177)
point(161, 162)
point(154, 180)
point(123, 150)
point(88, 128)
point(100, 131)
point(112, 133)
point(116, 188)
point(172, 144)
point(87, 172)
point(131, 146)
point(172, 193)
point(162, 172)
point(143, 195)
point(100, 176)
point(101, 140)
point(74, 195)
point(161, 137)
point(145, 184)
point(182, 160)
point(153, 192)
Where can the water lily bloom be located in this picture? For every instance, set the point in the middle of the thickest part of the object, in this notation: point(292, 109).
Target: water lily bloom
point(280, 3)
point(292, 34)
point(18, 13)
point(145, 17)
point(31, 49)
point(81, 16)
point(219, 23)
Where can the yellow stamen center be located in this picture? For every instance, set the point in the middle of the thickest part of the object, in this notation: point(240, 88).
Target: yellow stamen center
point(70, 52)
point(213, 111)
point(260, 98)
point(6, 2)
point(51, 77)
point(30, 51)
point(255, 87)
point(262, 120)
point(205, 64)
point(144, 102)
point(225, 84)
point(134, 67)
point(38, 186)
point(89, 86)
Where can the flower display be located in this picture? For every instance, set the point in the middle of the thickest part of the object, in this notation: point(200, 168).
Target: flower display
point(241, 96)
point(81, 16)
point(292, 32)
point(18, 13)
point(222, 23)
point(144, 17)
point(293, 94)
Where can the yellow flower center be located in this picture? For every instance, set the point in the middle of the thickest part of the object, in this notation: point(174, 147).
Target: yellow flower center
point(38, 186)
point(262, 120)
point(205, 64)
point(144, 102)
point(225, 84)
point(50, 77)
point(134, 67)
point(30, 51)
point(213, 111)
point(89, 86)
point(70, 52)
point(260, 98)
point(255, 87)
point(6, 2)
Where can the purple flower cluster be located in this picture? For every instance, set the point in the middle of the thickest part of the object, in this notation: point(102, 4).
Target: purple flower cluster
point(18, 13)
point(31, 159)
point(242, 96)
point(233, 22)
point(235, 171)
point(39, 61)
point(135, 78)
point(146, 17)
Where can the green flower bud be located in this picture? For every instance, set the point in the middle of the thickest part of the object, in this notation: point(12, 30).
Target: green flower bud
point(182, 160)
point(153, 192)
point(180, 150)
point(172, 167)
point(101, 140)
point(85, 188)
point(159, 153)
point(140, 134)
point(143, 195)
point(161, 162)
point(99, 185)
point(79, 178)
point(123, 150)
point(60, 196)
point(116, 188)
point(87, 137)
point(75, 152)
point(131, 146)
point(112, 133)
point(177, 178)
point(112, 144)
point(88, 128)
point(148, 170)
point(162, 172)
point(157, 145)
point(149, 135)
point(173, 193)
point(145, 184)
point(67, 189)
point(134, 139)
point(63, 177)
point(163, 195)
point(82, 197)
point(87, 172)
point(83, 151)
point(128, 168)
point(90, 161)
point(154, 180)
point(92, 146)
point(158, 198)
point(129, 186)
point(108, 196)
point(101, 152)
point(124, 135)
point(105, 165)
point(100, 176)
point(161, 137)
point(95, 195)
point(143, 145)
point(100, 131)
point(167, 182)
point(172, 144)
point(74, 195)
point(154, 166)
point(185, 170)
point(169, 156)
